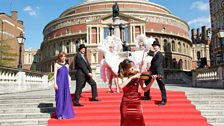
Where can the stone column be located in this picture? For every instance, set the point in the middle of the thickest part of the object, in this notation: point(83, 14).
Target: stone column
point(116, 23)
point(90, 35)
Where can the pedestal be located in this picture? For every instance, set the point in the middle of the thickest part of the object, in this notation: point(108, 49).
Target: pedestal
point(116, 24)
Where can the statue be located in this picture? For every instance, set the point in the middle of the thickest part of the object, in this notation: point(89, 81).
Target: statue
point(115, 10)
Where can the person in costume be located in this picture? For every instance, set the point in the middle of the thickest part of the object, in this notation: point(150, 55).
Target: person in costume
point(140, 57)
point(83, 74)
point(156, 68)
point(110, 47)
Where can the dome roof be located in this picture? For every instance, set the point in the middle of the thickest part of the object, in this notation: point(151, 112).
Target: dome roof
point(140, 5)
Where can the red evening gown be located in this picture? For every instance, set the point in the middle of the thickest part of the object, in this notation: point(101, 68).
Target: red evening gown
point(131, 108)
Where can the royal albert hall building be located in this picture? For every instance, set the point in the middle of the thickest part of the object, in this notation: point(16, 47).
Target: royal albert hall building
point(91, 21)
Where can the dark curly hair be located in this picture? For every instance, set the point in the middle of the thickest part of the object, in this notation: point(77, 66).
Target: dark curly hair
point(123, 68)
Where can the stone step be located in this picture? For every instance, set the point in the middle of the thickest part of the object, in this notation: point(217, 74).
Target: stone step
point(217, 124)
point(212, 112)
point(23, 122)
point(13, 97)
point(11, 101)
point(205, 93)
point(207, 102)
point(205, 96)
point(215, 119)
point(25, 116)
point(28, 105)
point(27, 110)
point(208, 107)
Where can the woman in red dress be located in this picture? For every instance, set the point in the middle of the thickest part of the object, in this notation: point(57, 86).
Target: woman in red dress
point(131, 109)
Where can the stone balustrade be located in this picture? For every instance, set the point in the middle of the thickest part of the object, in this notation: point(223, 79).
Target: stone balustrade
point(209, 77)
point(12, 80)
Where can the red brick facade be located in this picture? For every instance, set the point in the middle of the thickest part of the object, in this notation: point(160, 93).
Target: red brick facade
point(10, 29)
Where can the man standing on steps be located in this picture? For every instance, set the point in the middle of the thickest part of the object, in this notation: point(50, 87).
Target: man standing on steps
point(83, 74)
point(156, 68)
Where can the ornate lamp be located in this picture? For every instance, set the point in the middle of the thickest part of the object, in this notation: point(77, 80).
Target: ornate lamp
point(20, 40)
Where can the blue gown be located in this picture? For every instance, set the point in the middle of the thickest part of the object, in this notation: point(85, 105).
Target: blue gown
point(64, 106)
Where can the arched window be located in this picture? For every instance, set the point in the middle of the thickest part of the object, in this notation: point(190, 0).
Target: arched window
point(165, 45)
point(184, 51)
point(168, 47)
point(198, 55)
point(173, 46)
point(179, 47)
point(166, 62)
point(68, 46)
point(174, 63)
point(60, 47)
point(180, 64)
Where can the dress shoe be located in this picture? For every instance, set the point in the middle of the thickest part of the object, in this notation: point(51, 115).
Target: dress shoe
point(78, 104)
point(147, 98)
point(162, 103)
point(94, 99)
point(60, 118)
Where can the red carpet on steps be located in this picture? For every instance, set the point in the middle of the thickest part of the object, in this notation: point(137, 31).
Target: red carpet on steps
point(177, 112)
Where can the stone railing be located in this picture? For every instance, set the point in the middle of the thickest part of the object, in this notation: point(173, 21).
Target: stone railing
point(175, 76)
point(209, 77)
point(12, 80)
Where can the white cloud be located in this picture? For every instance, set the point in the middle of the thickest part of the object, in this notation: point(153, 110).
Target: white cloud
point(199, 22)
point(200, 5)
point(30, 10)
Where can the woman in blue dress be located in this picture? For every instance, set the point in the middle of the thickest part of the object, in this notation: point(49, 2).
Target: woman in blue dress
point(64, 106)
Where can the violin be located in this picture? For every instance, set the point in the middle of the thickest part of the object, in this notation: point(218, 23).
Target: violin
point(147, 75)
point(132, 74)
point(144, 75)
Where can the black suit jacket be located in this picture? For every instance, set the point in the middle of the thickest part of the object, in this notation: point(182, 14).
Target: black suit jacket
point(81, 66)
point(157, 64)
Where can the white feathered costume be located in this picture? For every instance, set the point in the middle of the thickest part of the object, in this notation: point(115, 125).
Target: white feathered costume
point(141, 55)
point(109, 65)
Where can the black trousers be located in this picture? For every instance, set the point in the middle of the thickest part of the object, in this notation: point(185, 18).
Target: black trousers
point(161, 87)
point(80, 84)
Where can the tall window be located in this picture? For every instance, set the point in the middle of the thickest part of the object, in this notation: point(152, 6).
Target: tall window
point(173, 46)
point(126, 33)
point(68, 46)
point(174, 63)
point(179, 47)
point(184, 48)
point(198, 55)
point(165, 45)
point(106, 32)
point(166, 62)
point(60, 47)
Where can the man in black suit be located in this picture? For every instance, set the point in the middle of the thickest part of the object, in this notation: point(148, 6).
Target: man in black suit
point(83, 74)
point(156, 68)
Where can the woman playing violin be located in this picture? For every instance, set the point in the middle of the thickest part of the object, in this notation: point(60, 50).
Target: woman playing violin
point(131, 108)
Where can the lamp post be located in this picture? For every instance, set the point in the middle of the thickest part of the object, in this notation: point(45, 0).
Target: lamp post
point(220, 35)
point(20, 40)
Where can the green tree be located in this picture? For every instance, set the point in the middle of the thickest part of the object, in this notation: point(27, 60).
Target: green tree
point(7, 58)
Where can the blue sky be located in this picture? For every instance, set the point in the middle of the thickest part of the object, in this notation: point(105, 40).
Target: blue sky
point(37, 13)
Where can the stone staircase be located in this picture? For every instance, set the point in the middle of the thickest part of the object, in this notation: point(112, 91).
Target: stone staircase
point(26, 109)
point(34, 108)
point(211, 105)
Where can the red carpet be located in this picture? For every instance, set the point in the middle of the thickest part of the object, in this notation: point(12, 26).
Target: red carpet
point(177, 112)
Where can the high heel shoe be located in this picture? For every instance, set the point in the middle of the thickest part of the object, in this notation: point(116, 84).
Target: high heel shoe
point(109, 91)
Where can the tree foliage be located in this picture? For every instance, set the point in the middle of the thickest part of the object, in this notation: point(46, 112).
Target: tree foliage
point(7, 57)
